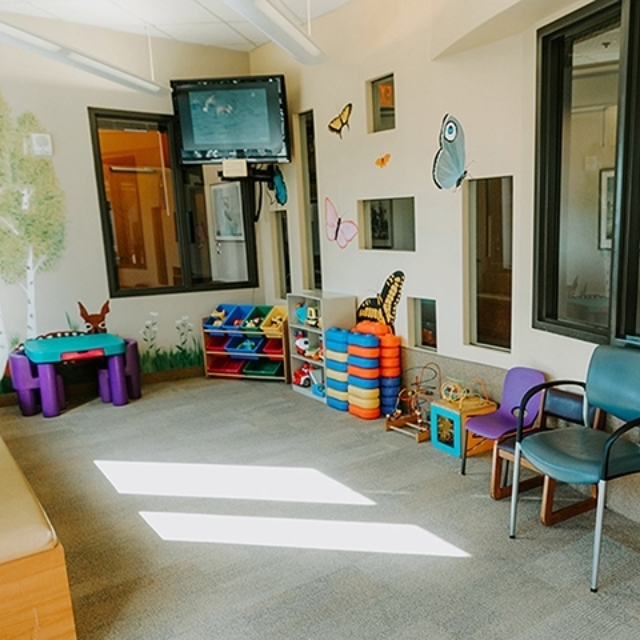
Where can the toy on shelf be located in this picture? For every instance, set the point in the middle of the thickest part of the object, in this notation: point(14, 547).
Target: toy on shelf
point(303, 376)
point(315, 353)
point(313, 319)
point(217, 317)
point(301, 312)
point(301, 342)
point(254, 322)
point(412, 413)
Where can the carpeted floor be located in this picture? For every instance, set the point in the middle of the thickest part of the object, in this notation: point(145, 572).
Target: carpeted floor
point(127, 582)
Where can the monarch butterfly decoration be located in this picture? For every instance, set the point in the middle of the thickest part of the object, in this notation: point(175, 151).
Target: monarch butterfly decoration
point(337, 124)
point(278, 186)
point(449, 164)
point(383, 161)
point(340, 231)
point(382, 308)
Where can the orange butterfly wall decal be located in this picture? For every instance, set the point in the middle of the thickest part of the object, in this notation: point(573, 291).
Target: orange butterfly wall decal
point(337, 124)
point(340, 231)
point(383, 161)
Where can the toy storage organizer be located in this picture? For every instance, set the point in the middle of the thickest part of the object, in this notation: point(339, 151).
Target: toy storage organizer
point(311, 314)
point(246, 341)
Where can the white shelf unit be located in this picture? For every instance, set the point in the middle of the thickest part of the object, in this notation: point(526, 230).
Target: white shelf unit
point(331, 310)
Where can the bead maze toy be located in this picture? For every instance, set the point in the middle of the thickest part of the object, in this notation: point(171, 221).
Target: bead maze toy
point(411, 415)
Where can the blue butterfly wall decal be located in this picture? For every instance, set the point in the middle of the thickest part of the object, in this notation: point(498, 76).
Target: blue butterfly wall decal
point(278, 186)
point(449, 164)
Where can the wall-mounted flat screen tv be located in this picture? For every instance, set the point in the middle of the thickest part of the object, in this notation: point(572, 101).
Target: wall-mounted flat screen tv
point(224, 118)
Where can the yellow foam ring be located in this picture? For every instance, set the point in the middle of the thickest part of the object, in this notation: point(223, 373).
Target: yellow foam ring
point(330, 354)
point(363, 403)
point(340, 376)
point(353, 390)
point(338, 395)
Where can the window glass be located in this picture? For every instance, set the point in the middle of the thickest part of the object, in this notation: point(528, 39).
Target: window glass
point(283, 268)
point(425, 325)
point(313, 272)
point(388, 223)
point(383, 103)
point(588, 177)
point(165, 225)
point(490, 260)
point(576, 171)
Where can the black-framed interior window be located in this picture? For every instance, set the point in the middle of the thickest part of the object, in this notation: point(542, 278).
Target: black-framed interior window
point(167, 227)
point(587, 187)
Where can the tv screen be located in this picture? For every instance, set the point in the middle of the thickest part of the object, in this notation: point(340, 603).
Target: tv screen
point(222, 118)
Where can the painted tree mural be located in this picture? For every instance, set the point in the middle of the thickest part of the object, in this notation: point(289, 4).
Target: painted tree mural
point(32, 214)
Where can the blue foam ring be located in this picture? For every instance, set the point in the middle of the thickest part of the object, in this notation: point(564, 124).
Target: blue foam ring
point(364, 363)
point(388, 394)
point(331, 345)
point(337, 384)
point(337, 404)
point(363, 339)
point(334, 334)
point(364, 383)
point(388, 383)
point(335, 365)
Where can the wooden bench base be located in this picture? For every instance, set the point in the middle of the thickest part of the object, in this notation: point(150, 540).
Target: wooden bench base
point(34, 598)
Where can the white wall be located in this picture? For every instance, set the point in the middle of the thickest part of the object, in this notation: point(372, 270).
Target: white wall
point(491, 90)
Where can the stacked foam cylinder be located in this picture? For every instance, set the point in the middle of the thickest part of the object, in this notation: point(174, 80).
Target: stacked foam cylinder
point(390, 373)
point(363, 368)
point(335, 360)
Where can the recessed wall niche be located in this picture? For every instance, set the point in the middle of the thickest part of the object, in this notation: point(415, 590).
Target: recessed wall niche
point(387, 224)
point(381, 98)
point(422, 312)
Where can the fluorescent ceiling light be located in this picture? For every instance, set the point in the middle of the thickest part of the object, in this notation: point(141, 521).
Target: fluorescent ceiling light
point(234, 482)
point(279, 28)
point(331, 535)
point(28, 40)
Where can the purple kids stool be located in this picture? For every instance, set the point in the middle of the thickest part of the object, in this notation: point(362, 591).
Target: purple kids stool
point(131, 373)
point(25, 380)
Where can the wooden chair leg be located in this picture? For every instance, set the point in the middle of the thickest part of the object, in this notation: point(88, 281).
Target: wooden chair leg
point(499, 488)
point(549, 517)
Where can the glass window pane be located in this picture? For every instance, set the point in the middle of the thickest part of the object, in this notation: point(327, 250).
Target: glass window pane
point(383, 103)
point(425, 334)
point(588, 177)
point(490, 258)
point(388, 223)
point(138, 188)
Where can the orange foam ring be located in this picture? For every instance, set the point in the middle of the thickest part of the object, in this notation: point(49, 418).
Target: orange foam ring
point(375, 328)
point(389, 340)
point(389, 363)
point(391, 372)
point(361, 372)
point(365, 414)
point(363, 352)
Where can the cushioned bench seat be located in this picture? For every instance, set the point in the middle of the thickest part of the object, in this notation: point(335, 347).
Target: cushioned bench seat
point(34, 590)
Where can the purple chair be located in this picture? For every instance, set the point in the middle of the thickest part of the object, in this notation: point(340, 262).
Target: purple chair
point(131, 373)
point(492, 426)
point(24, 377)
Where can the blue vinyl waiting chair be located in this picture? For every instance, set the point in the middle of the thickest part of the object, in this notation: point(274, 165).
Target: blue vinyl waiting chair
point(581, 455)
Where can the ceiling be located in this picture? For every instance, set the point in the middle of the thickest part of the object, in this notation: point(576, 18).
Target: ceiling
point(208, 22)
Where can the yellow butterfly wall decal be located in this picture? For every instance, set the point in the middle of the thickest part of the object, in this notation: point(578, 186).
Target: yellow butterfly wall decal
point(337, 124)
point(383, 161)
point(382, 308)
